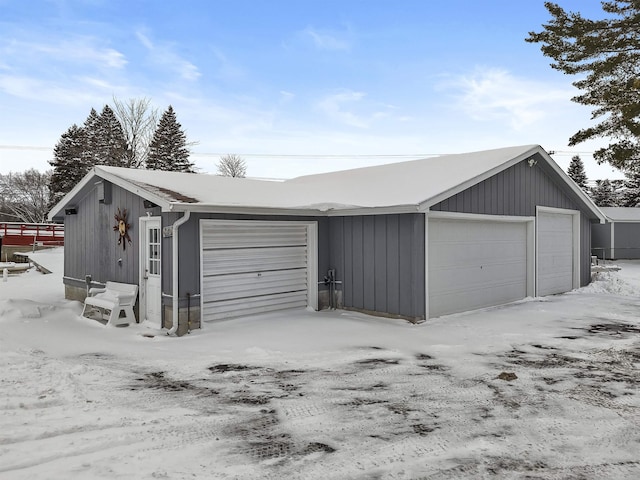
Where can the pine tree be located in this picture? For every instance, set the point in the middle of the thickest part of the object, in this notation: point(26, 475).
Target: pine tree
point(111, 145)
point(92, 142)
point(605, 54)
point(168, 149)
point(69, 163)
point(577, 173)
point(603, 195)
point(631, 192)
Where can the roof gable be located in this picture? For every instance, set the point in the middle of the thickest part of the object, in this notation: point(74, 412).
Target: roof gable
point(398, 187)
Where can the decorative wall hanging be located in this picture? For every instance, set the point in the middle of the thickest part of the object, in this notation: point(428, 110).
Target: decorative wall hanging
point(122, 227)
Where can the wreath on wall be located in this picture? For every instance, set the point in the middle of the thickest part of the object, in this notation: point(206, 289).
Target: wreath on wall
point(122, 227)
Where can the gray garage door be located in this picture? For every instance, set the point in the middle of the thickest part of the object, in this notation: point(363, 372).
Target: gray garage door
point(252, 267)
point(475, 264)
point(555, 253)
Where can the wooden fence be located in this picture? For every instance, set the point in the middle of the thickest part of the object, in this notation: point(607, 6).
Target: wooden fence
point(37, 234)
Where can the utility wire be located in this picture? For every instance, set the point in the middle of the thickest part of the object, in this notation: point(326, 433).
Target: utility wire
point(307, 155)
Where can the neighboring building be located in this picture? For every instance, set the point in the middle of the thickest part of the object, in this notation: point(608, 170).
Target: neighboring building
point(619, 237)
point(414, 240)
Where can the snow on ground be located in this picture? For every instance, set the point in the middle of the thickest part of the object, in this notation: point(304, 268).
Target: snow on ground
point(541, 389)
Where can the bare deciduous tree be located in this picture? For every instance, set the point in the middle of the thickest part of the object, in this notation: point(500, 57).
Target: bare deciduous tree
point(26, 195)
point(232, 165)
point(138, 119)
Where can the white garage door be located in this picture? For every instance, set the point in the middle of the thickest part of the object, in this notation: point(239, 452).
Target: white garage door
point(555, 253)
point(475, 264)
point(252, 267)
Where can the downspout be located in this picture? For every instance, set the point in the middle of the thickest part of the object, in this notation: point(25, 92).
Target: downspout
point(175, 290)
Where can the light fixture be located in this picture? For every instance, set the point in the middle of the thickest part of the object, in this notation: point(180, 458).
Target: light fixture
point(532, 161)
point(71, 211)
point(149, 204)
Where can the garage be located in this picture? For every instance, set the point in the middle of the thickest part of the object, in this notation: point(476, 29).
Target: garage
point(558, 264)
point(251, 267)
point(478, 261)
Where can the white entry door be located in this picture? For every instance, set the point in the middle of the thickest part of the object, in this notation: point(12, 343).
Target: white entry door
point(150, 263)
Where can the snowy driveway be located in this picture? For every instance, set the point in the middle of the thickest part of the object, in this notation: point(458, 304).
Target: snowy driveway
point(537, 390)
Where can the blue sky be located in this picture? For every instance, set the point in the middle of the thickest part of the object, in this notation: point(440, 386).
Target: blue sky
point(295, 87)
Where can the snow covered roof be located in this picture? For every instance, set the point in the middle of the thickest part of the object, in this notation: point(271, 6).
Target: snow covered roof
point(393, 188)
point(622, 214)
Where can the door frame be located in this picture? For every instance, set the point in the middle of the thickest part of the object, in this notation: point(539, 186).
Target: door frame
point(478, 217)
point(142, 303)
point(312, 253)
point(575, 241)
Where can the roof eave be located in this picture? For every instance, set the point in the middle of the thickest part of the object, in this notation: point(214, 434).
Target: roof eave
point(574, 187)
point(292, 211)
point(59, 207)
point(97, 172)
point(428, 203)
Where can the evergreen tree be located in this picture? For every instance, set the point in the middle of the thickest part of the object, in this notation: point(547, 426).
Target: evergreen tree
point(111, 145)
point(168, 149)
point(92, 142)
point(70, 163)
point(603, 195)
point(631, 193)
point(577, 173)
point(605, 53)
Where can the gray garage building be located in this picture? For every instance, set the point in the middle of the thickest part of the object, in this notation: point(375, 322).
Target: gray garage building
point(619, 237)
point(415, 240)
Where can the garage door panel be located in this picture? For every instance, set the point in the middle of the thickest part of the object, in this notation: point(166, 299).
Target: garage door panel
point(474, 298)
point(555, 253)
point(251, 237)
point(253, 267)
point(475, 264)
point(221, 287)
point(225, 261)
point(478, 275)
point(241, 307)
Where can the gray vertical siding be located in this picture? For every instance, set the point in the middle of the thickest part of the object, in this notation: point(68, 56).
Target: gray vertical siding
point(517, 191)
point(91, 244)
point(380, 262)
point(601, 240)
point(626, 239)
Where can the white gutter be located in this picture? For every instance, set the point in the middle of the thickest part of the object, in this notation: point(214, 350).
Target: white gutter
point(175, 290)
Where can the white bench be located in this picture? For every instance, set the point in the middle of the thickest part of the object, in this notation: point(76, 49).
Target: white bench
point(115, 297)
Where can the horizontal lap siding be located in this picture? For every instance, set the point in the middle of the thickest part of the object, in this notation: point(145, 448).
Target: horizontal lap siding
point(517, 191)
point(380, 262)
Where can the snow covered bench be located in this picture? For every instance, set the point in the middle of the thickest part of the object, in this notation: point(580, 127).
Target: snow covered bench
point(115, 297)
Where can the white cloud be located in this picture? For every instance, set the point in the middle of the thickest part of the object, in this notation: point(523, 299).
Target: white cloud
point(334, 106)
point(342, 106)
point(325, 40)
point(286, 96)
point(82, 50)
point(165, 56)
point(496, 94)
point(69, 93)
